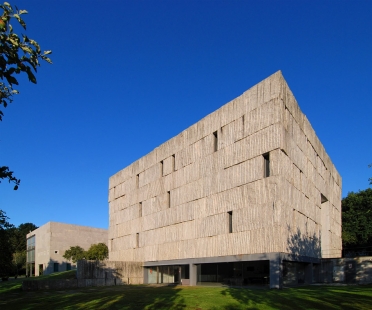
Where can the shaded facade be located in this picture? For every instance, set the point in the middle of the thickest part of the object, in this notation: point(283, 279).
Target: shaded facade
point(47, 245)
point(247, 195)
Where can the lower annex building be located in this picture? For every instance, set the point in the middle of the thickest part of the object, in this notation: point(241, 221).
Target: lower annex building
point(247, 195)
point(47, 244)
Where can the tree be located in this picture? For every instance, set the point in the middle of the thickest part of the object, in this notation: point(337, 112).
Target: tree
point(357, 221)
point(97, 252)
point(75, 253)
point(5, 246)
point(19, 261)
point(18, 236)
point(17, 55)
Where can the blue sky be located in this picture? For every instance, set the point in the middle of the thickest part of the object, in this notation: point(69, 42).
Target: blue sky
point(129, 75)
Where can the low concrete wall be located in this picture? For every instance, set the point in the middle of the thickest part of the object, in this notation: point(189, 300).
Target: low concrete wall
point(110, 272)
point(93, 273)
point(356, 270)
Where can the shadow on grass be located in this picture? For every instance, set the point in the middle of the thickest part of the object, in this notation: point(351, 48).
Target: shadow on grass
point(308, 297)
point(108, 297)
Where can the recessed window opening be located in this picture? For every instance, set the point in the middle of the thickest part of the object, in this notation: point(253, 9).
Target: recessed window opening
point(56, 252)
point(215, 141)
point(162, 168)
point(168, 198)
point(266, 165)
point(137, 240)
point(230, 221)
point(140, 209)
point(323, 199)
point(137, 180)
point(174, 162)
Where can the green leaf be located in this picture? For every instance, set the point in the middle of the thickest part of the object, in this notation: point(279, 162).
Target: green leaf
point(46, 59)
point(31, 76)
point(47, 52)
point(11, 79)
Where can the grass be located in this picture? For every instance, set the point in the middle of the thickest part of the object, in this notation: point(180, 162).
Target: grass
point(178, 297)
point(71, 274)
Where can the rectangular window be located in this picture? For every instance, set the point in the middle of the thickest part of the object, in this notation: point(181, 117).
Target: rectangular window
point(31, 249)
point(174, 162)
point(266, 165)
point(169, 201)
point(137, 240)
point(68, 266)
point(230, 221)
point(55, 267)
point(140, 209)
point(162, 168)
point(137, 181)
point(215, 141)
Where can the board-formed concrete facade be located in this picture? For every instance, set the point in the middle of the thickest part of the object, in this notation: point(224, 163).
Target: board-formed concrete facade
point(47, 244)
point(249, 182)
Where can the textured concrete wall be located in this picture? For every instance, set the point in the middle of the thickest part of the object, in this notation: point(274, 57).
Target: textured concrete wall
point(173, 203)
point(113, 272)
point(53, 239)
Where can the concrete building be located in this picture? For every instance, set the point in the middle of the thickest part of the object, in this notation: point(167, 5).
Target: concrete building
point(47, 245)
point(247, 195)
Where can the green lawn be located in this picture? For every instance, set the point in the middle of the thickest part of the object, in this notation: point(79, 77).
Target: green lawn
point(71, 274)
point(196, 298)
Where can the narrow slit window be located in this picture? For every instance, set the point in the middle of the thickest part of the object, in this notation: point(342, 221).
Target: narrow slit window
point(137, 240)
point(162, 168)
point(168, 198)
point(174, 162)
point(266, 165)
point(137, 180)
point(215, 141)
point(140, 209)
point(230, 221)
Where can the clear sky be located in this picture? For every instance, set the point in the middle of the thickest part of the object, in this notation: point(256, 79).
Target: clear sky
point(129, 75)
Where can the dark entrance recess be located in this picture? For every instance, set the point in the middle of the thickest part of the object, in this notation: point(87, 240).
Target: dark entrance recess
point(350, 271)
point(234, 274)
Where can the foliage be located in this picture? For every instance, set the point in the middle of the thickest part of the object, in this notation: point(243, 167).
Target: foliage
point(18, 236)
point(357, 219)
point(370, 179)
point(74, 253)
point(13, 245)
point(5, 173)
point(17, 55)
point(97, 252)
point(19, 261)
point(5, 246)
